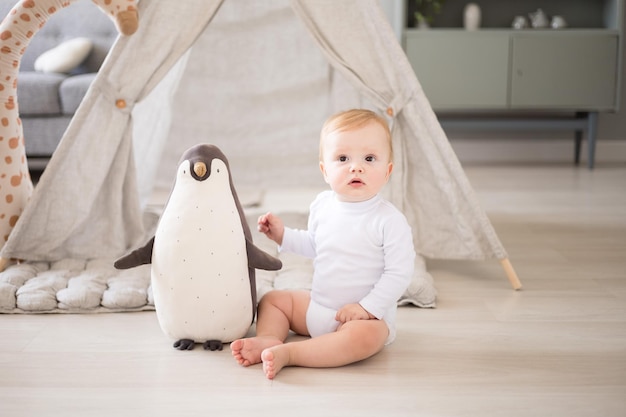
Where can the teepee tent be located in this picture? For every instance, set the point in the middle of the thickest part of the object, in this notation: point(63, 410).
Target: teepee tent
point(192, 72)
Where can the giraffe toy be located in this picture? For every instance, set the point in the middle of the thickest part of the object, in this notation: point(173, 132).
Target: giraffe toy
point(16, 30)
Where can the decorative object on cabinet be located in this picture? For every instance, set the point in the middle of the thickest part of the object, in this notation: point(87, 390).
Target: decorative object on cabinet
point(519, 22)
point(426, 11)
point(558, 22)
point(538, 19)
point(471, 16)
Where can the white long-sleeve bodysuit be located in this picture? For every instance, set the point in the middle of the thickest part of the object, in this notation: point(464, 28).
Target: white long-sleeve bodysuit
point(363, 253)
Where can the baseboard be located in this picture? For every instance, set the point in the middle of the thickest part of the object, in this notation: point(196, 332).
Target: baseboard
point(521, 150)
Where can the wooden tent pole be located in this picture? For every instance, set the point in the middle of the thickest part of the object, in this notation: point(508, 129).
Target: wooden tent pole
point(511, 274)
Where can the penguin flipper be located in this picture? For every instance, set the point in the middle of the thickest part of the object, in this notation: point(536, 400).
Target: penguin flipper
point(261, 260)
point(137, 257)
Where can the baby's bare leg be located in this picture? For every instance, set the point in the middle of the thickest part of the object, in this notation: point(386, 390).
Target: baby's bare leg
point(353, 341)
point(279, 312)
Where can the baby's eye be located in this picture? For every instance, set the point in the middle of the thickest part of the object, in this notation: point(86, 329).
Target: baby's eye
point(343, 158)
point(370, 158)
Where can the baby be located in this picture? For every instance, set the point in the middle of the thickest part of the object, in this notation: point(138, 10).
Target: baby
point(363, 254)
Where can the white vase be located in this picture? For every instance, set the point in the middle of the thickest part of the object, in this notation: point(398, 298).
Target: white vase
point(471, 16)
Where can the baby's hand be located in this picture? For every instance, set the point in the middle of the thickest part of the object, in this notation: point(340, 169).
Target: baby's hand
point(352, 312)
point(272, 227)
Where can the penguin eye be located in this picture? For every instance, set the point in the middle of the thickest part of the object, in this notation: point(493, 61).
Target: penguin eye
point(218, 170)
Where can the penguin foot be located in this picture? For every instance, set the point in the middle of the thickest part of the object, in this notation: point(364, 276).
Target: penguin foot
point(184, 344)
point(213, 345)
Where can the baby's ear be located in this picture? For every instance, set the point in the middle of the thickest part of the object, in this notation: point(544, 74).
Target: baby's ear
point(389, 169)
point(323, 170)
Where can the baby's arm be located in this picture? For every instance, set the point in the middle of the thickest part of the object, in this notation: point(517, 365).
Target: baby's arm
point(399, 258)
point(272, 227)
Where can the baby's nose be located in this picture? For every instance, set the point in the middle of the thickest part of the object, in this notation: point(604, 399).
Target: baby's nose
point(356, 167)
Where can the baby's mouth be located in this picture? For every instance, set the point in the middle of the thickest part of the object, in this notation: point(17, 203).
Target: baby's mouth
point(356, 181)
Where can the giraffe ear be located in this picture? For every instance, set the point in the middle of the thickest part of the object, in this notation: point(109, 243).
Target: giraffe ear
point(64, 57)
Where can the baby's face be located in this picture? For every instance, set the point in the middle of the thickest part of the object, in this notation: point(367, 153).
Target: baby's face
point(356, 163)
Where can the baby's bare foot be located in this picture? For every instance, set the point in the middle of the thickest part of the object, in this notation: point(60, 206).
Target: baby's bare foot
point(248, 351)
point(274, 359)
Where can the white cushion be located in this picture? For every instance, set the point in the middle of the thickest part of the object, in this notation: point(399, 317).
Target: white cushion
point(64, 57)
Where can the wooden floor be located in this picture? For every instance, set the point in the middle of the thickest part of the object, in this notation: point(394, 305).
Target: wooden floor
point(556, 348)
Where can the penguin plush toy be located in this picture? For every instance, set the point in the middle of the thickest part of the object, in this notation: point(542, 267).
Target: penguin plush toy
point(202, 255)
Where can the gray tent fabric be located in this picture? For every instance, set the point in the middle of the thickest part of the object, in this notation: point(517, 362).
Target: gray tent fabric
point(90, 200)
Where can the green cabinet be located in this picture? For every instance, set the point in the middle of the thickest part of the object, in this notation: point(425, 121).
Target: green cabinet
point(499, 68)
point(506, 69)
point(575, 70)
point(473, 73)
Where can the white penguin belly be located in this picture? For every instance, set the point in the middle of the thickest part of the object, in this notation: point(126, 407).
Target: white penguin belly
point(200, 275)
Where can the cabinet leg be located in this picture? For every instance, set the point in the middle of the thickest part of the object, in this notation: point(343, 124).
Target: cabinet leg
point(592, 131)
point(578, 138)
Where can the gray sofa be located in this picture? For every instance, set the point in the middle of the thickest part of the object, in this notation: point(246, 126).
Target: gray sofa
point(47, 101)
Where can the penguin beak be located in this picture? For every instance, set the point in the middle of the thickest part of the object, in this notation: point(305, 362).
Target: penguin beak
point(199, 168)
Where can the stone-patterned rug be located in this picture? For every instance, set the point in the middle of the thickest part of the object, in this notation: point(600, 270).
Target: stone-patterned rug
point(74, 286)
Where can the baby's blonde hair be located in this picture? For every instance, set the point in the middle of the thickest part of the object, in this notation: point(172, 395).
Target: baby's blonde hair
point(353, 119)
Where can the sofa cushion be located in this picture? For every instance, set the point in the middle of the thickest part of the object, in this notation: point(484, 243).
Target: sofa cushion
point(72, 91)
point(38, 93)
point(64, 57)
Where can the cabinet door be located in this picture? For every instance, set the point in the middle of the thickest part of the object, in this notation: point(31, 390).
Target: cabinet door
point(574, 70)
point(459, 69)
